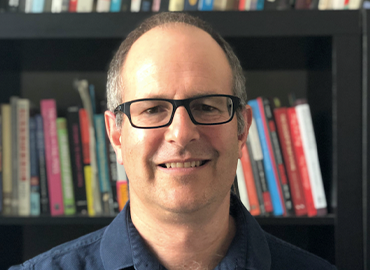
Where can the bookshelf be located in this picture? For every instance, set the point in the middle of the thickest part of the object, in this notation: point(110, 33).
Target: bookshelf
point(317, 54)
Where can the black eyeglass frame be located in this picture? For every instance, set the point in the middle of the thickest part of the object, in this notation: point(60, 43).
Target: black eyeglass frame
point(125, 108)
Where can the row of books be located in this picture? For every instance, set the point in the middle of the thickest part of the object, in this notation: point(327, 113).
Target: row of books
point(58, 165)
point(57, 6)
point(279, 173)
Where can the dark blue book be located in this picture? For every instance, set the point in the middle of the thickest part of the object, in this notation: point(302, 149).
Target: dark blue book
point(40, 146)
point(191, 5)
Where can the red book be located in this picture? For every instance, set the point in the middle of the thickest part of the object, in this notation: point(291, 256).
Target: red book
point(73, 6)
point(249, 183)
point(49, 116)
point(296, 188)
point(85, 136)
point(301, 161)
point(241, 5)
point(272, 157)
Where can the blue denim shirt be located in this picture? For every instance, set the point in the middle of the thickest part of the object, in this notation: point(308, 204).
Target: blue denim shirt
point(119, 246)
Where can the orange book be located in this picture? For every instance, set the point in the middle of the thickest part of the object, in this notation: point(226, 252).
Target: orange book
point(249, 183)
point(85, 136)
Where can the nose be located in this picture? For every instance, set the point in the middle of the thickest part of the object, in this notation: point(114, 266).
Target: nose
point(182, 130)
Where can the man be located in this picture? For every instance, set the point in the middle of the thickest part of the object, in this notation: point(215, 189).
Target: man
point(178, 120)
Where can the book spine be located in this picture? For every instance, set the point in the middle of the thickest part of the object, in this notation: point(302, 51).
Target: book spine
point(312, 159)
point(241, 6)
point(135, 5)
point(269, 170)
point(105, 188)
point(258, 157)
point(278, 159)
point(73, 6)
point(14, 147)
point(56, 6)
point(65, 166)
point(49, 115)
point(40, 146)
point(146, 5)
point(38, 6)
point(85, 138)
point(205, 5)
point(79, 188)
point(256, 177)
point(115, 5)
point(65, 5)
point(122, 186)
point(112, 172)
point(85, 5)
point(301, 161)
point(191, 4)
point(176, 5)
point(156, 5)
point(35, 179)
point(296, 188)
point(7, 158)
point(24, 173)
point(243, 194)
point(250, 183)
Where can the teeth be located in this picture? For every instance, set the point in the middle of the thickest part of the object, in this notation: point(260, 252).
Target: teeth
point(183, 164)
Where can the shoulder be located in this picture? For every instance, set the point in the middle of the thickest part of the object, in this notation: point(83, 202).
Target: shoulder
point(81, 253)
point(286, 256)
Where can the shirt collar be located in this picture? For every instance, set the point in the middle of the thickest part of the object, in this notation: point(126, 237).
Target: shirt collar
point(122, 245)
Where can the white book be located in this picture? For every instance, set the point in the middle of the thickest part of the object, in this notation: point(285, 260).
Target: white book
point(83, 89)
point(247, 5)
point(103, 6)
point(325, 4)
point(311, 155)
point(243, 194)
point(135, 5)
point(354, 4)
point(85, 5)
point(338, 4)
point(255, 141)
point(24, 171)
point(28, 7)
point(7, 158)
point(56, 6)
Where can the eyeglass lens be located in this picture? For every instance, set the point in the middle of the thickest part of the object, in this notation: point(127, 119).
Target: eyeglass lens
point(205, 110)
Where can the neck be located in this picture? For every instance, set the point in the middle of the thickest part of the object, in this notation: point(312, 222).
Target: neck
point(186, 241)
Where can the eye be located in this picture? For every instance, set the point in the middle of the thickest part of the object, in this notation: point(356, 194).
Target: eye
point(155, 110)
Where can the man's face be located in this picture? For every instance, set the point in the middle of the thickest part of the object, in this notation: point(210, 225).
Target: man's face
point(178, 62)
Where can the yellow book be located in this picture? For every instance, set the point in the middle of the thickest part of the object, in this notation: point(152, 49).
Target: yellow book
point(89, 191)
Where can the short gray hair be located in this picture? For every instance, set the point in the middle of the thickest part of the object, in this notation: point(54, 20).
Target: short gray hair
point(115, 85)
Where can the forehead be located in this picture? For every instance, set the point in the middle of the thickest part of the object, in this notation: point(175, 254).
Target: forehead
point(175, 61)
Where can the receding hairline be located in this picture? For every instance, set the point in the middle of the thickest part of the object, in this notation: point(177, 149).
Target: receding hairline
point(173, 25)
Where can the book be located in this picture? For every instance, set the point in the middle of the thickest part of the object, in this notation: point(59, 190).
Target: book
point(273, 186)
point(125, 5)
point(254, 207)
point(85, 5)
point(301, 161)
point(56, 6)
point(85, 142)
point(13, 5)
point(135, 5)
point(49, 116)
point(243, 193)
point(40, 148)
point(38, 6)
point(24, 173)
point(256, 177)
point(278, 158)
point(205, 5)
point(105, 186)
point(83, 89)
point(311, 155)
point(122, 186)
point(291, 166)
point(6, 158)
point(176, 5)
point(72, 6)
point(79, 188)
point(257, 155)
point(156, 5)
point(223, 5)
point(146, 5)
point(115, 5)
point(191, 4)
point(65, 167)
point(34, 169)
point(14, 149)
point(47, 6)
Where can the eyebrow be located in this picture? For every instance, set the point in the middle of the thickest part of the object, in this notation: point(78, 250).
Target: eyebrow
point(192, 96)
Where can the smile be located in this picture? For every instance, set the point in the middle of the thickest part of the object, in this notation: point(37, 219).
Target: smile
point(191, 164)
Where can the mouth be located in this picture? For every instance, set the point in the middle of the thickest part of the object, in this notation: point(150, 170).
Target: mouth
point(190, 164)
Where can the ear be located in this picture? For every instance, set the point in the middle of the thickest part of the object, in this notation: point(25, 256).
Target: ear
point(114, 134)
point(247, 115)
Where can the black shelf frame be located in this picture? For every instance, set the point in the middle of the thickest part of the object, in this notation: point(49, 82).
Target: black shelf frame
point(349, 122)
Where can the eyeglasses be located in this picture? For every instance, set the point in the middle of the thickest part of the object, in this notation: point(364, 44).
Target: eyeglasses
point(157, 112)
